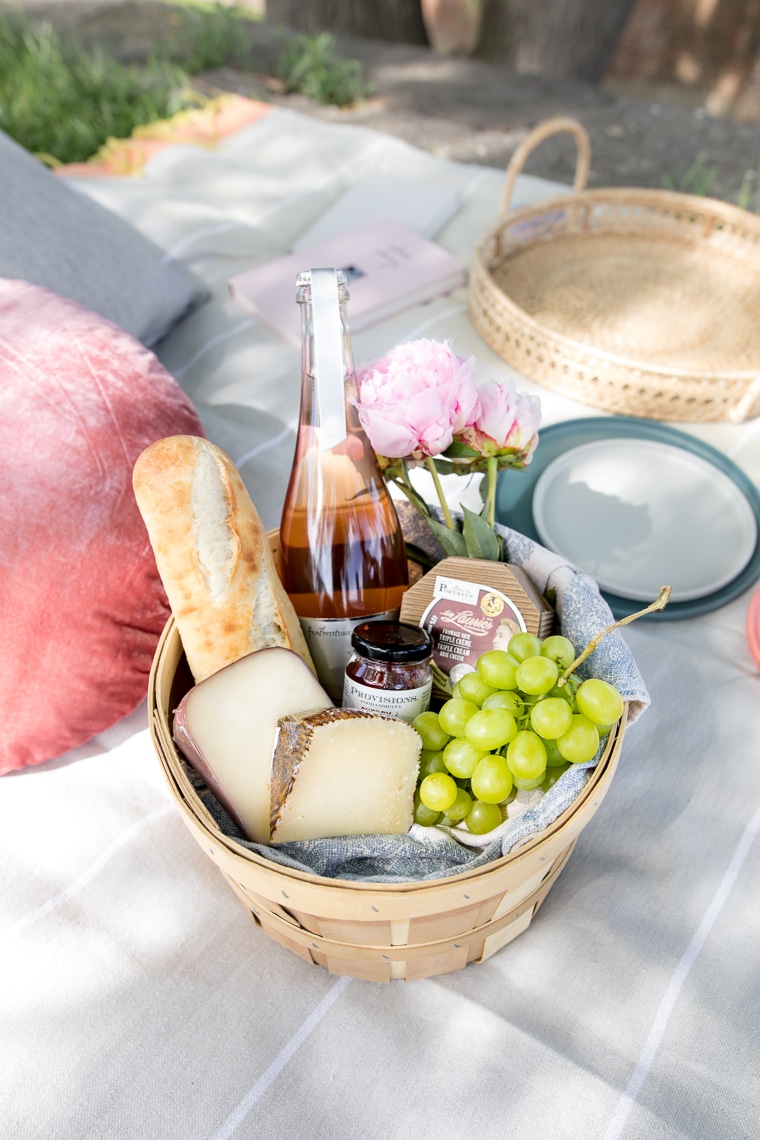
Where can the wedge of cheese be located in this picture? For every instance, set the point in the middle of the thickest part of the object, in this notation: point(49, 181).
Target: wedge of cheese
point(342, 772)
point(227, 725)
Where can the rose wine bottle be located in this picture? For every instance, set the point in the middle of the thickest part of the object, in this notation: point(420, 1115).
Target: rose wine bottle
point(343, 558)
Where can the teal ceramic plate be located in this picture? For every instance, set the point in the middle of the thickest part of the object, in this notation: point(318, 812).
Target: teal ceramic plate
point(514, 496)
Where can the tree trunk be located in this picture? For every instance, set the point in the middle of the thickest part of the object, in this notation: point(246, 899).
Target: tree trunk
point(713, 48)
point(397, 20)
point(566, 39)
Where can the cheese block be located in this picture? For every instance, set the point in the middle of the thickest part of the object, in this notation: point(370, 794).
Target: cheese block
point(227, 725)
point(342, 772)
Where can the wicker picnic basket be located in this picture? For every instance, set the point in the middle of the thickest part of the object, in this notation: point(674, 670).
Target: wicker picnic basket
point(641, 302)
point(373, 931)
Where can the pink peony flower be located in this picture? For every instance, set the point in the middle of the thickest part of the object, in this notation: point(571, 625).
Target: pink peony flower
point(413, 401)
point(507, 423)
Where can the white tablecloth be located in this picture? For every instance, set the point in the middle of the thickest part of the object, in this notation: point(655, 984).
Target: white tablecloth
point(139, 999)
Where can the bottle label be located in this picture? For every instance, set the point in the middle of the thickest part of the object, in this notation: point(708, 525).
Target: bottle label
point(329, 373)
point(329, 642)
point(405, 704)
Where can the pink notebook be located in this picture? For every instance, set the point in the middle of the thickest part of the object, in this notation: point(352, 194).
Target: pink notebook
point(389, 268)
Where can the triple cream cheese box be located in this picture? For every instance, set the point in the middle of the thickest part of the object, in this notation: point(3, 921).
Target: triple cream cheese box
point(470, 605)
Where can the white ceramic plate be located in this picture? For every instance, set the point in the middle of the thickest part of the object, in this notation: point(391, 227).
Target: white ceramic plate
point(638, 514)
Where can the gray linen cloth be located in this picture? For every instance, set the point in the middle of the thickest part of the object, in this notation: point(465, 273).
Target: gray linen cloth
point(437, 852)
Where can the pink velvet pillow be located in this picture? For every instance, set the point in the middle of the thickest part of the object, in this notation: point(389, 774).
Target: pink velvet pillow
point(81, 603)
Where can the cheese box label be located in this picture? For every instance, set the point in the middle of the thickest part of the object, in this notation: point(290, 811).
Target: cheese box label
point(456, 590)
point(464, 623)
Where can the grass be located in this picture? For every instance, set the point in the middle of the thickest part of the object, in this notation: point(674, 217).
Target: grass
point(63, 102)
point(749, 191)
point(311, 66)
point(697, 179)
point(207, 35)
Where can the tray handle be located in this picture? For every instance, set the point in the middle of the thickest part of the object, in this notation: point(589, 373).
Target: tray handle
point(545, 130)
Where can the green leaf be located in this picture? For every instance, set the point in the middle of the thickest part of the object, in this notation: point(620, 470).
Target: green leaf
point(457, 450)
point(480, 540)
point(416, 499)
point(451, 540)
point(421, 557)
point(442, 467)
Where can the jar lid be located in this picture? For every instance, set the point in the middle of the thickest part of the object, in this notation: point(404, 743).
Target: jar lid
point(391, 641)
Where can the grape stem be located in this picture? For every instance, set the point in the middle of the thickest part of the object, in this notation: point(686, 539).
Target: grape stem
point(658, 604)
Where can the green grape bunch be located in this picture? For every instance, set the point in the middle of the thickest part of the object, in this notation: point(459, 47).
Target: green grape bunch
point(517, 722)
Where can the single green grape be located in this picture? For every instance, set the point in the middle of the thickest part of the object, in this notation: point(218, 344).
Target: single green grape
point(526, 755)
point(483, 817)
point(454, 714)
point(559, 649)
point(438, 791)
point(461, 757)
point(599, 701)
point(505, 699)
point(430, 762)
point(498, 668)
point(529, 700)
point(536, 675)
point(492, 780)
point(554, 757)
point(434, 738)
point(552, 775)
point(525, 785)
point(566, 693)
point(551, 717)
point(473, 688)
point(424, 815)
point(581, 741)
point(522, 645)
point(460, 808)
point(491, 728)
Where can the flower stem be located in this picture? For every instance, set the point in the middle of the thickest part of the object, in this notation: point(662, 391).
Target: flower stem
point(430, 464)
point(493, 470)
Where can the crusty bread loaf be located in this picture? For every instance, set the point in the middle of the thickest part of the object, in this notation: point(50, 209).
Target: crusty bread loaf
point(212, 554)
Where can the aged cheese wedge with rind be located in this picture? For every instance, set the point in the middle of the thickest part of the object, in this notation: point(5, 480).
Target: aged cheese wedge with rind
point(226, 727)
point(342, 772)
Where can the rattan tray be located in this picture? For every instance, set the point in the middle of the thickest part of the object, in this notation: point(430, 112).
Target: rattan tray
point(641, 302)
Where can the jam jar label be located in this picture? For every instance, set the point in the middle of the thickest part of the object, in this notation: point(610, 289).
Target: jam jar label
point(464, 620)
point(404, 704)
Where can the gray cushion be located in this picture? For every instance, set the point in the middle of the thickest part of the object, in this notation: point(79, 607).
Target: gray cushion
point(54, 236)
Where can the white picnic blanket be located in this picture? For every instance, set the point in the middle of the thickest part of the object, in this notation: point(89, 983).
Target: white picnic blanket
point(138, 998)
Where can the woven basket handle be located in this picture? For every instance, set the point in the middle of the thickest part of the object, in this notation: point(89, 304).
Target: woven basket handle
point(556, 126)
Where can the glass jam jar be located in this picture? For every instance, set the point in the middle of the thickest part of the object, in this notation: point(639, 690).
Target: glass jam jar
point(389, 669)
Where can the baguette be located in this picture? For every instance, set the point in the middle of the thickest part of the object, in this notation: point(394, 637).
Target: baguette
point(213, 555)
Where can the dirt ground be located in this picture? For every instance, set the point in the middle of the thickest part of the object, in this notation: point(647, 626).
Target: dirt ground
point(466, 110)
